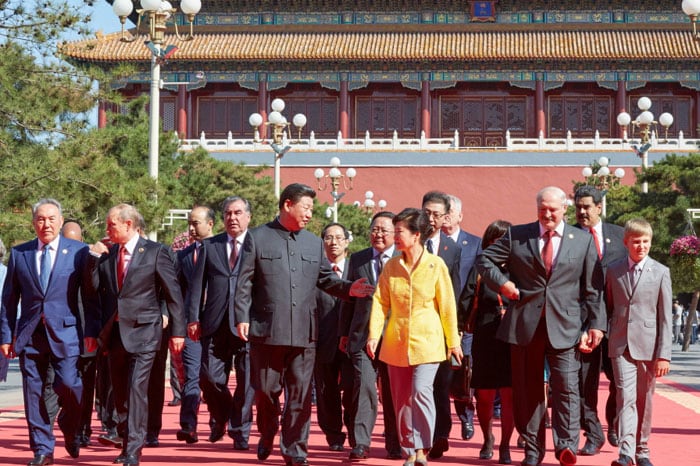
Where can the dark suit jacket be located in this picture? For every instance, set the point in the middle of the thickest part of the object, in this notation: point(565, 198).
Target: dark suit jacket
point(569, 292)
point(354, 313)
point(213, 276)
point(185, 267)
point(151, 277)
point(451, 254)
point(276, 291)
point(328, 317)
point(613, 250)
point(59, 305)
point(470, 246)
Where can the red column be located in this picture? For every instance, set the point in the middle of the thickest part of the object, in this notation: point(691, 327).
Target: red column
point(540, 120)
point(344, 117)
point(620, 104)
point(693, 127)
point(425, 108)
point(101, 115)
point(182, 111)
point(262, 106)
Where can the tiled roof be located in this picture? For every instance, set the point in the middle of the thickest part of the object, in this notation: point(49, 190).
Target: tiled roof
point(493, 45)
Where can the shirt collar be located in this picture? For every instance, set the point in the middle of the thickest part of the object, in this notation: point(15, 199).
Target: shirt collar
point(131, 244)
point(53, 245)
point(388, 252)
point(640, 265)
point(559, 229)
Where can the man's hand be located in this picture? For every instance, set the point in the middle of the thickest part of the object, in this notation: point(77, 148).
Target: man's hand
point(661, 367)
point(510, 291)
point(243, 328)
point(343, 344)
point(8, 351)
point(193, 331)
point(90, 344)
point(176, 344)
point(360, 288)
point(372, 347)
point(166, 320)
point(99, 248)
point(456, 352)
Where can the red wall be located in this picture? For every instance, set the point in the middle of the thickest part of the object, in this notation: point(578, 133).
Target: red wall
point(487, 193)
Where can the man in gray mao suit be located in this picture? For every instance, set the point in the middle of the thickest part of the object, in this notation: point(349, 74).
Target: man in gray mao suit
point(552, 268)
point(275, 309)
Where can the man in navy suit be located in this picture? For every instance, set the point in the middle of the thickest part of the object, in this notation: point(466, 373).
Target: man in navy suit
point(46, 274)
point(210, 316)
point(132, 279)
point(471, 247)
point(609, 241)
point(200, 226)
point(550, 273)
point(436, 205)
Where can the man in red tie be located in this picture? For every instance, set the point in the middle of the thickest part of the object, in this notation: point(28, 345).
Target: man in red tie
point(555, 313)
point(608, 239)
point(132, 279)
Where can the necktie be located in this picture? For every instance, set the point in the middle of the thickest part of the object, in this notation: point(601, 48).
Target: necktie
point(337, 270)
point(378, 265)
point(597, 243)
point(429, 246)
point(121, 266)
point(45, 271)
point(635, 271)
point(547, 251)
point(234, 254)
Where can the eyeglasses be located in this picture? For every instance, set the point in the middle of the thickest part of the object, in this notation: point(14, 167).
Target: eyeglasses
point(381, 231)
point(434, 213)
point(329, 239)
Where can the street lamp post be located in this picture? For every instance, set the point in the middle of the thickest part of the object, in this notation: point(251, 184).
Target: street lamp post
point(369, 203)
point(279, 124)
point(644, 121)
point(692, 9)
point(158, 13)
point(603, 179)
point(333, 178)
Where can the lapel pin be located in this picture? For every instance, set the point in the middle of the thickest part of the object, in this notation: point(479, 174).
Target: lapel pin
point(607, 240)
point(464, 242)
point(140, 250)
point(64, 251)
point(571, 236)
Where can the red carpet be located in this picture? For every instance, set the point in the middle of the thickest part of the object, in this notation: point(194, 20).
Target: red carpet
point(673, 442)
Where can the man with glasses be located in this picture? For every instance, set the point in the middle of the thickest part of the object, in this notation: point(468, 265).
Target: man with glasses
point(436, 205)
point(353, 328)
point(332, 372)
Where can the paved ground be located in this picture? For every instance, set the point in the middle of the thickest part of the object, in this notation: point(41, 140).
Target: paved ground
point(673, 443)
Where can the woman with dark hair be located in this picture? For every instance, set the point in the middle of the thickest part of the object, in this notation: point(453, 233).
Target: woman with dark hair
point(415, 294)
point(482, 309)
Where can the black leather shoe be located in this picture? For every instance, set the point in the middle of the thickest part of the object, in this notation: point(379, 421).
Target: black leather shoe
point(567, 457)
point(174, 402)
point(120, 459)
point(131, 460)
point(110, 440)
point(240, 445)
point(41, 460)
point(359, 452)
point(336, 447)
point(152, 443)
point(644, 462)
point(263, 452)
point(297, 462)
point(530, 461)
point(185, 435)
point(612, 438)
point(504, 455)
point(85, 441)
point(394, 455)
point(467, 430)
point(73, 446)
point(589, 449)
point(623, 460)
point(217, 433)
point(440, 446)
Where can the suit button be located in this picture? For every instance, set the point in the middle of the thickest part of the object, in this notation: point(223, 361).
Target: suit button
point(294, 303)
point(294, 269)
point(291, 253)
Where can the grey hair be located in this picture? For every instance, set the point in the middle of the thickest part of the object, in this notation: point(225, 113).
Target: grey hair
point(44, 201)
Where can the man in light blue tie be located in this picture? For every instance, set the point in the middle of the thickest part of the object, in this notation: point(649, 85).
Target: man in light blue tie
point(46, 274)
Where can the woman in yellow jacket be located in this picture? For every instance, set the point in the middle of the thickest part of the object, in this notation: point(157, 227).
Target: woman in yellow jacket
point(415, 294)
